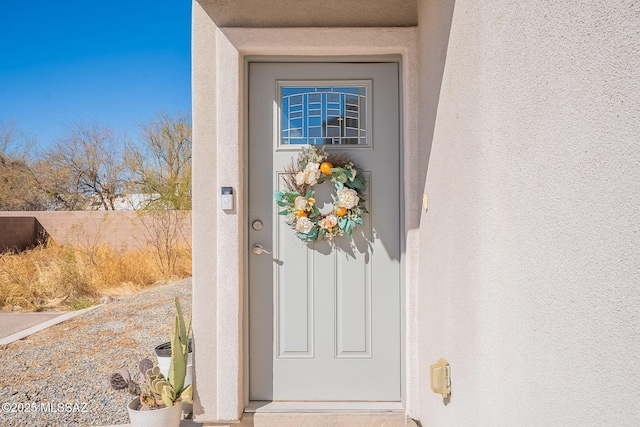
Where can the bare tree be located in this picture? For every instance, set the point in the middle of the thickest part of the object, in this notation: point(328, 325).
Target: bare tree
point(14, 143)
point(165, 233)
point(85, 168)
point(161, 164)
point(18, 187)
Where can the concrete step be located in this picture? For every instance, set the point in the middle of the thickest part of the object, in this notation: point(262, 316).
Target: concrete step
point(183, 423)
point(389, 419)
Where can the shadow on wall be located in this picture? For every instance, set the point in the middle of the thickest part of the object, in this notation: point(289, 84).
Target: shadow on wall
point(433, 45)
point(311, 13)
point(41, 234)
point(20, 233)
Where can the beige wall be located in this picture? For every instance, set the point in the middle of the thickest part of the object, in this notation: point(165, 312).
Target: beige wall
point(530, 249)
point(118, 229)
point(311, 13)
point(523, 273)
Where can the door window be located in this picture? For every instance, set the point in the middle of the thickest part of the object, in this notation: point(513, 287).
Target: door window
point(326, 114)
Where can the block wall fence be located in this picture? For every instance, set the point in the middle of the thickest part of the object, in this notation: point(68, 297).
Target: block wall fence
point(118, 229)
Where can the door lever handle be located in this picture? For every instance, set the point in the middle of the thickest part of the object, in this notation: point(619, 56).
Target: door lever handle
point(258, 249)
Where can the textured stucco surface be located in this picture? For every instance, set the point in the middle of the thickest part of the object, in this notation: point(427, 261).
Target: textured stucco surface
point(205, 204)
point(530, 249)
point(218, 111)
point(311, 13)
point(528, 255)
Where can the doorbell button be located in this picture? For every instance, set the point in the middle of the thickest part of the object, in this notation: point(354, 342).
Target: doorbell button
point(227, 198)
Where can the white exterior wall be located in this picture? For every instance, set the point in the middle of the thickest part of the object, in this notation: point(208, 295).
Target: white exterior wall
point(205, 203)
point(530, 249)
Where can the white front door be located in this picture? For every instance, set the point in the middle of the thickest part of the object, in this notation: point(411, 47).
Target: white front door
point(324, 321)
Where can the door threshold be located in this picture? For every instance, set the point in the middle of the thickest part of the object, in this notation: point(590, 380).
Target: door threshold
point(265, 406)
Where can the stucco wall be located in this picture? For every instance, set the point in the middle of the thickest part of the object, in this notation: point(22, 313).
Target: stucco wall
point(530, 248)
point(311, 13)
point(219, 319)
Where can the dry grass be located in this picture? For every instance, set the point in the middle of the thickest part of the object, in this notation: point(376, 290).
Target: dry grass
point(52, 276)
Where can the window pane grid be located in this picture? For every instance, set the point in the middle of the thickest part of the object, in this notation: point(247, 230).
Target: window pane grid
point(323, 115)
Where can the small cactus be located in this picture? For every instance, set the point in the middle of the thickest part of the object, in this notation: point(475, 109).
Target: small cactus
point(134, 388)
point(147, 402)
point(122, 380)
point(118, 382)
point(168, 394)
point(155, 391)
point(126, 375)
point(155, 371)
point(144, 365)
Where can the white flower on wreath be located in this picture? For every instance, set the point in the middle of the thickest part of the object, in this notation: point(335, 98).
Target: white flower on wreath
point(304, 225)
point(300, 203)
point(353, 175)
point(309, 175)
point(348, 198)
point(328, 222)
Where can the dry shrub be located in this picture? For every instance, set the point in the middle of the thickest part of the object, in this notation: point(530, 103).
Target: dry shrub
point(166, 237)
point(52, 275)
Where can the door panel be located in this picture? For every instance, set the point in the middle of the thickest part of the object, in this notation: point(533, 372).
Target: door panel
point(324, 320)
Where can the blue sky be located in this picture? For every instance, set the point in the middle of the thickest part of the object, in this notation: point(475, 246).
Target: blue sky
point(118, 62)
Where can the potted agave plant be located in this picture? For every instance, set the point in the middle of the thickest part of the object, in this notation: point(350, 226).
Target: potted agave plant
point(159, 398)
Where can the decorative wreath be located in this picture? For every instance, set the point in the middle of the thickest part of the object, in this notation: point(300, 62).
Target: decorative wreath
point(315, 166)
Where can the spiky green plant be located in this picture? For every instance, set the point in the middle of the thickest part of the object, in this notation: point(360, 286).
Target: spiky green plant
point(180, 355)
point(155, 391)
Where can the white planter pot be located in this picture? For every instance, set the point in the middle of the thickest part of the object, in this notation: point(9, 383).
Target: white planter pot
point(165, 362)
point(163, 354)
point(165, 417)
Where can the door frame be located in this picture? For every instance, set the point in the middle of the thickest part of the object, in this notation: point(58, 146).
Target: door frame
point(396, 59)
point(219, 128)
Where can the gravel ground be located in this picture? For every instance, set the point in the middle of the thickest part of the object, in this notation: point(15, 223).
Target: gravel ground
point(70, 363)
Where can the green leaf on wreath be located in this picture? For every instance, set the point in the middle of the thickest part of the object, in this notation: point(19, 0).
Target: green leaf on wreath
point(356, 185)
point(291, 197)
point(313, 233)
point(341, 176)
point(350, 226)
point(342, 222)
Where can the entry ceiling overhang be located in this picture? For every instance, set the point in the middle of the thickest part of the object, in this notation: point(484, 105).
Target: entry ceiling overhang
point(312, 13)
